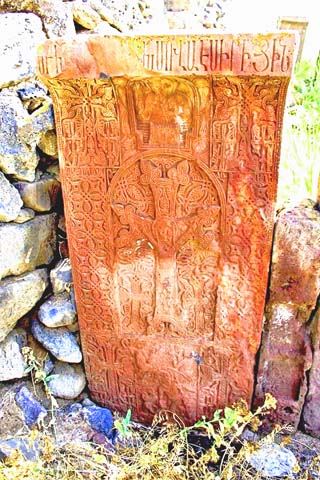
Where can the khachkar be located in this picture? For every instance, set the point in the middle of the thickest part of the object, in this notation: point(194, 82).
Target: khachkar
point(169, 150)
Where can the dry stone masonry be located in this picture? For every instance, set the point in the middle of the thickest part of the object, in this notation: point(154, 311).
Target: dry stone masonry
point(12, 361)
point(290, 342)
point(18, 295)
point(30, 198)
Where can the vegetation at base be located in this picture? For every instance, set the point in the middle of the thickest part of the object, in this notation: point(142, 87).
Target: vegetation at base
point(300, 154)
point(213, 448)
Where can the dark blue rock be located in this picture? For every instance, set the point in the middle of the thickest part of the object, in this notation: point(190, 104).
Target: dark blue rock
point(31, 91)
point(59, 341)
point(273, 460)
point(100, 419)
point(57, 311)
point(32, 409)
point(48, 365)
point(29, 449)
point(73, 410)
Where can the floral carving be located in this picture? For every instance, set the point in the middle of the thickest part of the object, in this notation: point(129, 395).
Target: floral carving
point(169, 187)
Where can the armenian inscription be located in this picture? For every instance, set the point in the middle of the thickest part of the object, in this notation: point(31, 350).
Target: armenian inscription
point(169, 158)
point(218, 54)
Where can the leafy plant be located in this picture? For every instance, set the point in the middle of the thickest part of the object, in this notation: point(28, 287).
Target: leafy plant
point(35, 367)
point(300, 157)
point(170, 450)
point(123, 425)
point(38, 375)
point(211, 449)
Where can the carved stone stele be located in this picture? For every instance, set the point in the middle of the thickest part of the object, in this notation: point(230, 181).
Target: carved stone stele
point(169, 150)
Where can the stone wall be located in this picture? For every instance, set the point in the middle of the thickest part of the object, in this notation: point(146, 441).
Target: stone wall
point(289, 356)
point(35, 276)
point(36, 296)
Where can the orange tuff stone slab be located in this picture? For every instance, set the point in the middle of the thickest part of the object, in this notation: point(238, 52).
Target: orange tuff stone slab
point(169, 150)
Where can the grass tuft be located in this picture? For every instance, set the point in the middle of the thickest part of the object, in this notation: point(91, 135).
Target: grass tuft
point(215, 448)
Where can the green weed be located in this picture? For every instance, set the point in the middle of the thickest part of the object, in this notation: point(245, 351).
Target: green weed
point(211, 449)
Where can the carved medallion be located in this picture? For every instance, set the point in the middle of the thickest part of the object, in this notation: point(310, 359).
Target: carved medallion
point(169, 163)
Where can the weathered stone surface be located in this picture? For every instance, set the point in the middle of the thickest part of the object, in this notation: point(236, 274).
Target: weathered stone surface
point(311, 413)
point(40, 195)
point(59, 341)
point(20, 133)
point(84, 15)
point(25, 215)
point(41, 354)
point(90, 57)
point(21, 34)
point(48, 144)
point(12, 420)
point(195, 16)
point(26, 246)
point(286, 353)
point(33, 94)
point(29, 448)
point(32, 409)
point(54, 170)
point(127, 17)
point(61, 276)
point(104, 28)
point(10, 200)
point(18, 295)
point(105, 13)
point(12, 363)
point(169, 193)
point(273, 461)
point(68, 381)
point(57, 311)
point(56, 17)
point(100, 419)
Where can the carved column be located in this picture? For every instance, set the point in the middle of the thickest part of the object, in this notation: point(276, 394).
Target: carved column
point(169, 151)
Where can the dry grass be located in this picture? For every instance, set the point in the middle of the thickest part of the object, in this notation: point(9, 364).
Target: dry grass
point(216, 448)
point(210, 449)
